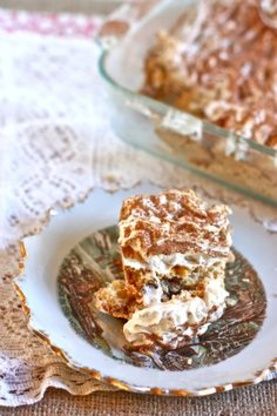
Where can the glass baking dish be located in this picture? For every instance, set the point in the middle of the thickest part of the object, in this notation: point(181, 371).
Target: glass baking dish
point(162, 130)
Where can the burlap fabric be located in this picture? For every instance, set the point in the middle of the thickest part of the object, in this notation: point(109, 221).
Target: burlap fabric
point(251, 401)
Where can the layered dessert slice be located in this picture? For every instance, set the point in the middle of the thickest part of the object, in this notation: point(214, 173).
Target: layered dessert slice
point(174, 249)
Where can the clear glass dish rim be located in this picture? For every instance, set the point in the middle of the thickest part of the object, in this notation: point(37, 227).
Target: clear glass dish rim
point(163, 109)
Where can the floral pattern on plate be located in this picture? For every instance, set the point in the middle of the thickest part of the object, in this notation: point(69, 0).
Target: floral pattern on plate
point(95, 261)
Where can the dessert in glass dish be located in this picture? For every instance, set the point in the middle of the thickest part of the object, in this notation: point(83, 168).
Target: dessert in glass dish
point(174, 249)
point(218, 63)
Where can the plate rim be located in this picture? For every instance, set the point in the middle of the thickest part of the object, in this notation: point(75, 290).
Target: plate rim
point(265, 374)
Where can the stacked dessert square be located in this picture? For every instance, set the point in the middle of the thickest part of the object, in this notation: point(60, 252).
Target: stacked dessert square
point(174, 249)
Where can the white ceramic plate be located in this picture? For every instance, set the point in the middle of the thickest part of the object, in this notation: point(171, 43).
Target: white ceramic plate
point(39, 289)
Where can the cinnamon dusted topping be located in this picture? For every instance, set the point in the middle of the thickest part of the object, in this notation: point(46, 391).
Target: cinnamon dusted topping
point(182, 222)
point(219, 62)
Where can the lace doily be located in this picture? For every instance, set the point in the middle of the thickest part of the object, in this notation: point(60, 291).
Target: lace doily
point(56, 145)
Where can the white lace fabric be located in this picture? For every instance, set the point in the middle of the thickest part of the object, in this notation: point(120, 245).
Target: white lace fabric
point(56, 144)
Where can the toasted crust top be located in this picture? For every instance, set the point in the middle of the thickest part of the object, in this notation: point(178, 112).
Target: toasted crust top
point(173, 221)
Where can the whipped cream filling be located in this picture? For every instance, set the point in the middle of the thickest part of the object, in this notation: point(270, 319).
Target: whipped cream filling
point(215, 292)
point(168, 320)
point(152, 294)
point(162, 264)
point(163, 320)
point(133, 263)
